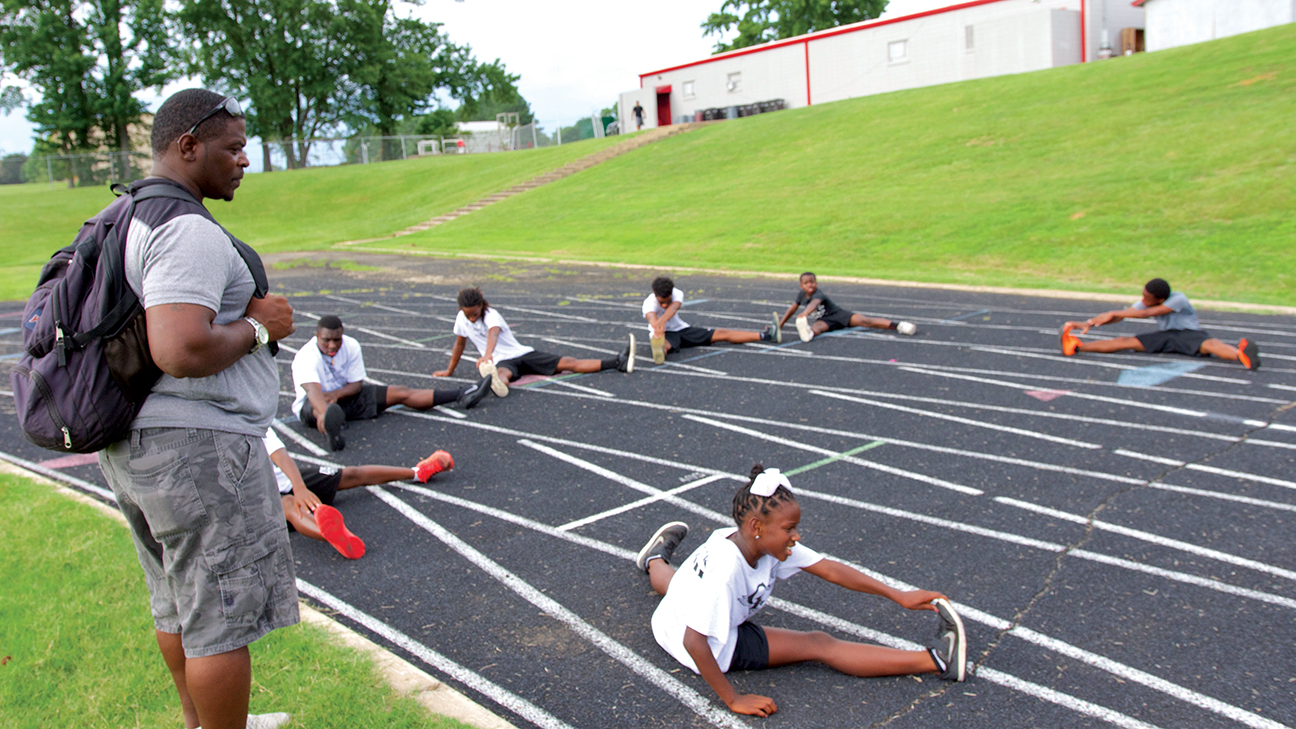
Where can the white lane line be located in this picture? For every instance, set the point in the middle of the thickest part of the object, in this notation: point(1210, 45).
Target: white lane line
point(644, 502)
point(374, 332)
point(623, 480)
point(1224, 496)
point(1081, 395)
point(402, 373)
point(699, 704)
point(370, 304)
point(1273, 426)
point(1151, 538)
point(564, 383)
point(1100, 662)
point(297, 438)
point(849, 459)
point(1098, 363)
point(570, 317)
point(1282, 387)
point(476, 682)
point(965, 421)
point(1209, 469)
point(57, 476)
point(1271, 443)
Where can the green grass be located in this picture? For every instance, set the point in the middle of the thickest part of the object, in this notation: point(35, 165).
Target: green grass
point(285, 211)
point(1176, 164)
point(76, 638)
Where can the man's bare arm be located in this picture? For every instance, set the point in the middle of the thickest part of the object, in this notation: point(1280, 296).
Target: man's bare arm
point(185, 342)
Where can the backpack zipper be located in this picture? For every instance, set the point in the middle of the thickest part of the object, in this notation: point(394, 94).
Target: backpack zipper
point(49, 402)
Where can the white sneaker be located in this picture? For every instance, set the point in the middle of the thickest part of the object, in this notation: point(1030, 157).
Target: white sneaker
point(907, 328)
point(658, 345)
point(268, 721)
point(498, 385)
point(803, 328)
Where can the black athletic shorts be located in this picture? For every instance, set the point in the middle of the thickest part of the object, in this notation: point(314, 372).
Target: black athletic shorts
point(752, 651)
point(323, 482)
point(839, 320)
point(1174, 341)
point(364, 405)
point(531, 363)
point(690, 337)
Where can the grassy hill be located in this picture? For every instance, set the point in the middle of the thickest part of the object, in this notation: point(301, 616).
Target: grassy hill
point(1178, 164)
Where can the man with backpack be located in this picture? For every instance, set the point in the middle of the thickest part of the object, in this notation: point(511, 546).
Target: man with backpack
point(193, 478)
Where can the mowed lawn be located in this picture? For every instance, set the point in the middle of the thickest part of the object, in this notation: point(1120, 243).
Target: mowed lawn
point(1180, 164)
point(77, 646)
point(285, 211)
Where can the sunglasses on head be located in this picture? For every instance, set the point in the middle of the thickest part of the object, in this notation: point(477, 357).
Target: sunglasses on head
point(229, 104)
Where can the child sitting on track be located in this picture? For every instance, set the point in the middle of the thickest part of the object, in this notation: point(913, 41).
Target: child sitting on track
point(703, 620)
point(829, 316)
point(307, 492)
point(1178, 331)
point(667, 331)
point(503, 358)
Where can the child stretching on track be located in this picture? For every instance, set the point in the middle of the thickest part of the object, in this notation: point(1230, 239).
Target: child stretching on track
point(503, 359)
point(829, 316)
point(1178, 331)
point(704, 618)
point(307, 492)
point(667, 331)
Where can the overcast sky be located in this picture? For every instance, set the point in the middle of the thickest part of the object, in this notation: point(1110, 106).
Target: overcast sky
point(574, 56)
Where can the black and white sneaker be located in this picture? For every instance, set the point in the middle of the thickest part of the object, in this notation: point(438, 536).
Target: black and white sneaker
point(625, 360)
point(473, 394)
point(334, 421)
point(949, 651)
point(778, 329)
point(663, 544)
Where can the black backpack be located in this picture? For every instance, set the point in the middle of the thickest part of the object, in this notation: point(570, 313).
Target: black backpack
point(87, 367)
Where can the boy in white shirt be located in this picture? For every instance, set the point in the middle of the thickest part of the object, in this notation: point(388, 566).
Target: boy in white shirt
point(503, 358)
point(667, 331)
point(329, 372)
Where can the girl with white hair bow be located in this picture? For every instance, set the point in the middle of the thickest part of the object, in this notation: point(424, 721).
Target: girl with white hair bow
point(704, 618)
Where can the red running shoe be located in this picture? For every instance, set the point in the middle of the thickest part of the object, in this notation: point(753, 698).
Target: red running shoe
point(334, 530)
point(432, 465)
point(1070, 342)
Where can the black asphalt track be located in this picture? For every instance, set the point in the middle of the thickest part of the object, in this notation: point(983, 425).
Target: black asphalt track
point(1138, 541)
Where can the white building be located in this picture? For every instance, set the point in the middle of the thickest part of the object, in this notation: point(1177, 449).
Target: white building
point(970, 40)
point(1173, 23)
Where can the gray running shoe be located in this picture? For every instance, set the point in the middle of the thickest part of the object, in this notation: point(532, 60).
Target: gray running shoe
point(625, 360)
point(949, 650)
point(663, 544)
point(778, 330)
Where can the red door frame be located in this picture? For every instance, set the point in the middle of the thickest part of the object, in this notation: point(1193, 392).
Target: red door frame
point(663, 106)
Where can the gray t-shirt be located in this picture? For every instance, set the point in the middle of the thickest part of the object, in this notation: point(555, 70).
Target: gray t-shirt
point(190, 260)
point(1183, 316)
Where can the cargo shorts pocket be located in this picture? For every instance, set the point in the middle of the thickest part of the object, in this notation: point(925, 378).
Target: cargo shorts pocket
point(162, 486)
point(239, 572)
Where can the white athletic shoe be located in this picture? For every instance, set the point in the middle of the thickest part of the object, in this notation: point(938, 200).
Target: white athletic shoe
point(267, 721)
point(803, 328)
point(498, 385)
point(949, 649)
point(907, 328)
point(658, 345)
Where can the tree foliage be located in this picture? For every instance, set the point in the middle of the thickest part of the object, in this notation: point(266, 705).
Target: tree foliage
point(762, 21)
point(86, 59)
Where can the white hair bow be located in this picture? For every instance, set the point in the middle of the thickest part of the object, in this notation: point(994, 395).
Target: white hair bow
point(768, 481)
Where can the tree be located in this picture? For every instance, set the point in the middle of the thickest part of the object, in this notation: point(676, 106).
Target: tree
point(762, 21)
point(86, 59)
point(492, 90)
point(11, 168)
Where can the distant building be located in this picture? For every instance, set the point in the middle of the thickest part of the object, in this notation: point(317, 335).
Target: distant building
point(969, 40)
point(1173, 23)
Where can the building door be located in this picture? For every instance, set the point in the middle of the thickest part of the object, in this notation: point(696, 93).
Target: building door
point(663, 106)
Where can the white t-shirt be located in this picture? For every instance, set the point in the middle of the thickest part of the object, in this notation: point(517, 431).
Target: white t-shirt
point(715, 591)
point(332, 373)
point(506, 345)
point(273, 444)
point(675, 323)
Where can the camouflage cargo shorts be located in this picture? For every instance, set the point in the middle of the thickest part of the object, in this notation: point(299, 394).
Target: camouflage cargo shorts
point(208, 527)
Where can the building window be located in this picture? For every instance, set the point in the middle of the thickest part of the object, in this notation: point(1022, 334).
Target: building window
point(968, 41)
point(688, 90)
point(734, 82)
point(898, 51)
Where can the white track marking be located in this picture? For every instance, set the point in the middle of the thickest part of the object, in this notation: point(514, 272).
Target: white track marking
point(1092, 659)
point(1098, 363)
point(623, 480)
point(569, 317)
point(420, 374)
point(1224, 496)
point(965, 421)
point(298, 438)
point(58, 476)
point(374, 332)
point(1271, 443)
point(834, 454)
point(1209, 469)
point(644, 502)
point(699, 704)
point(370, 304)
point(565, 343)
point(574, 386)
point(1151, 538)
point(476, 682)
point(1282, 387)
